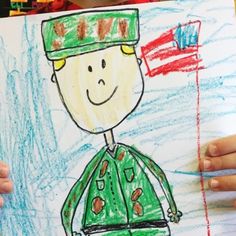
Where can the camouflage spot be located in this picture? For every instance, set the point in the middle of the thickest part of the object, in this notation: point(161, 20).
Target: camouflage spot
point(104, 27)
point(136, 194)
point(151, 165)
point(81, 186)
point(121, 156)
point(104, 168)
point(66, 214)
point(56, 45)
point(162, 177)
point(81, 29)
point(74, 197)
point(123, 28)
point(138, 209)
point(97, 205)
point(59, 29)
point(69, 204)
point(131, 177)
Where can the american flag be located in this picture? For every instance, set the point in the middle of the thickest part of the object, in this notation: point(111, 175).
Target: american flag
point(174, 51)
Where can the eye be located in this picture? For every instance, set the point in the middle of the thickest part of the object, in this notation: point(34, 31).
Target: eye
point(103, 63)
point(90, 69)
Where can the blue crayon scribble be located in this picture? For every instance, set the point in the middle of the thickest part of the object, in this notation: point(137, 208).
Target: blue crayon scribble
point(27, 128)
point(186, 36)
point(27, 132)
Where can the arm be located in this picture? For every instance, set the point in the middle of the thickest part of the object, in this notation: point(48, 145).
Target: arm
point(76, 192)
point(173, 213)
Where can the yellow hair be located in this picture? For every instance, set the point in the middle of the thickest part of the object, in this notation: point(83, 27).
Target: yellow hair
point(128, 50)
point(59, 64)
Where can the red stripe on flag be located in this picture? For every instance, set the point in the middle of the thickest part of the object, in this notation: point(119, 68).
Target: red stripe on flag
point(171, 51)
point(187, 64)
point(163, 39)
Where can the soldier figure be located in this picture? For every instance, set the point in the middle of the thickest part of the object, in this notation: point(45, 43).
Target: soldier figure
point(100, 83)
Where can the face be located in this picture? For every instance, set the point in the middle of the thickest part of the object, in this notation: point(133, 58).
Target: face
point(98, 3)
point(101, 88)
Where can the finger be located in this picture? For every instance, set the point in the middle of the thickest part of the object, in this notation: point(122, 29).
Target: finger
point(176, 219)
point(223, 183)
point(6, 185)
point(1, 202)
point(4, 170)
point(222, 146)
point(179, 214)
point(218, 163)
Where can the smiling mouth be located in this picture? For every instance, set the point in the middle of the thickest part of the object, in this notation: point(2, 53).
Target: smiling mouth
point(101, 103)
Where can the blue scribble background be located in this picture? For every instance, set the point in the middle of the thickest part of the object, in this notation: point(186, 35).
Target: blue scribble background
point(47, 152)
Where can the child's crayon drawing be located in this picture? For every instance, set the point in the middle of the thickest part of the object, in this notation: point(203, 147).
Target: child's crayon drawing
point(103, 115)
point(99, 80)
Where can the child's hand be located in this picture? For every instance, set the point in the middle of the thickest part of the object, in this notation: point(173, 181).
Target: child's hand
point(220, 155)
point(6, 185)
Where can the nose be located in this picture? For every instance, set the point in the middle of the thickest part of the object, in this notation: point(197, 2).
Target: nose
point(101, 81)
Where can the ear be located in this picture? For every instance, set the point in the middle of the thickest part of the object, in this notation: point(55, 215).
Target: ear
point(140, 61)
point(59, 64)
point(53, 77)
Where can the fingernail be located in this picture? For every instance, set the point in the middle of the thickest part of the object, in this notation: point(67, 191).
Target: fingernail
point(212, 150)
point(207, 165)
point(214, 184)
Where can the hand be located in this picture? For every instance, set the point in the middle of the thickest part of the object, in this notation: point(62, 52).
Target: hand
point(221, 155)
point(6, 185)
point(174, 217)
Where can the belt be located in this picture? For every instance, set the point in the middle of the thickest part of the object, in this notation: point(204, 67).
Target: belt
point(139, 225)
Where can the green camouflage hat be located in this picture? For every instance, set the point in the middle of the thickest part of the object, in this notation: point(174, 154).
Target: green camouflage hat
point(89, 31)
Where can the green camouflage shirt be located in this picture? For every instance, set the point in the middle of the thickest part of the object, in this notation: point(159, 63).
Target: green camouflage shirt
point(120, 194)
